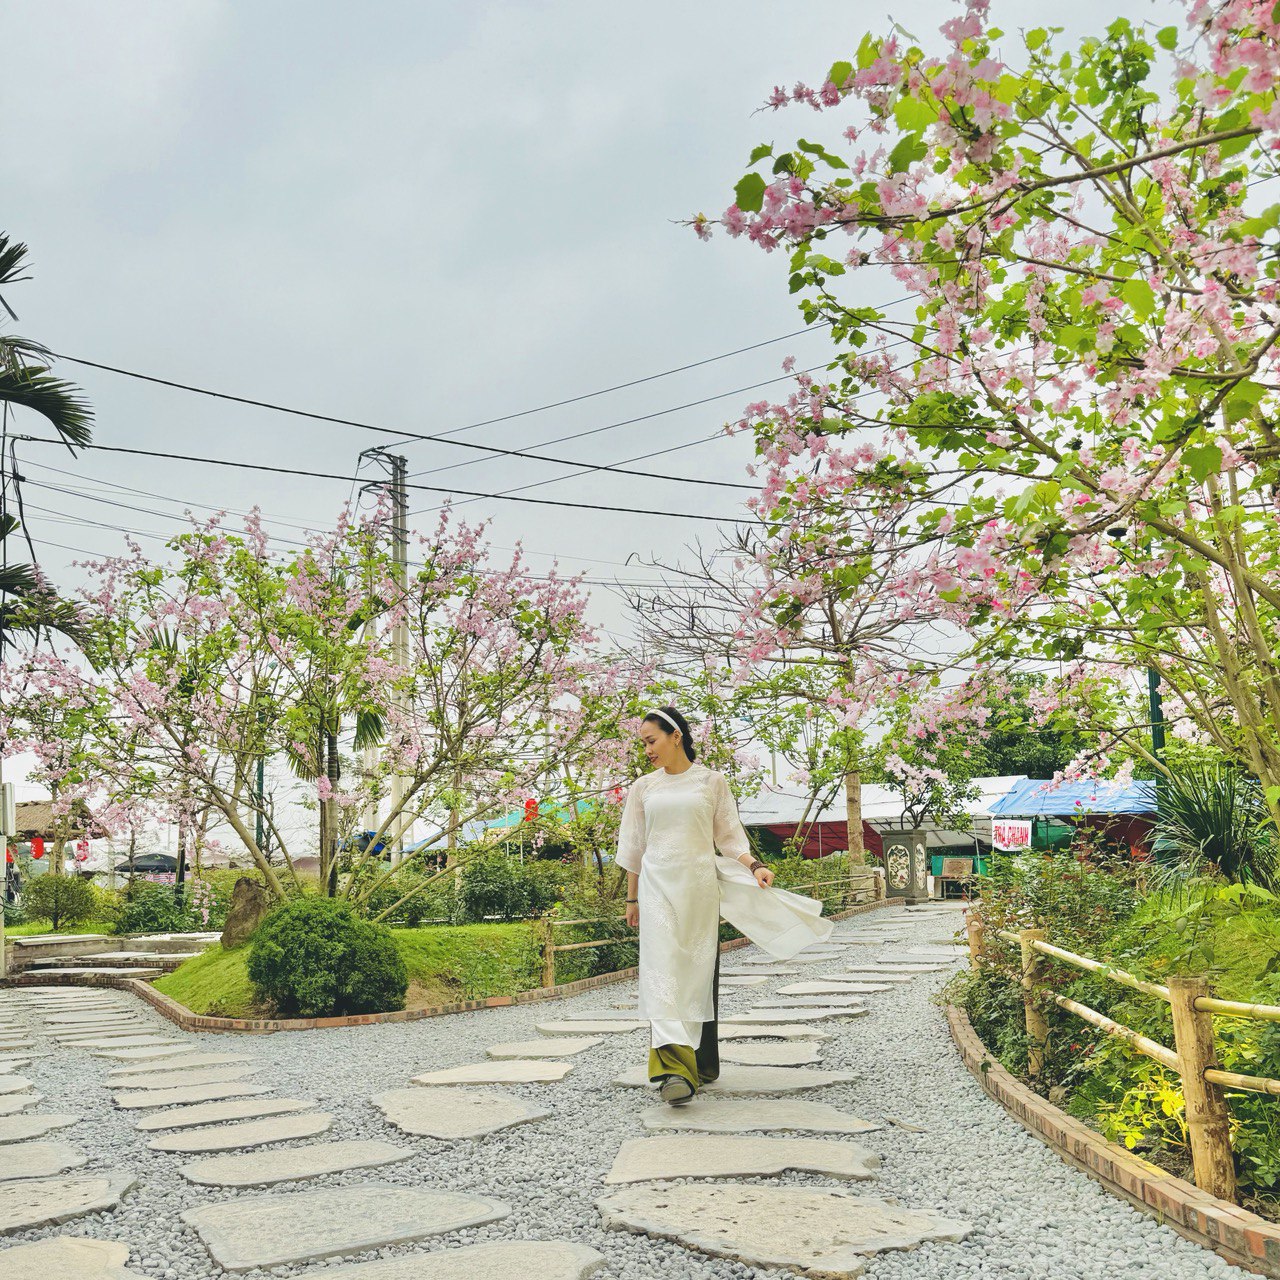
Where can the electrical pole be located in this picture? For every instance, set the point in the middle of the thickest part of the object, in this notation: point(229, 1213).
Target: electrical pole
point(396, 487)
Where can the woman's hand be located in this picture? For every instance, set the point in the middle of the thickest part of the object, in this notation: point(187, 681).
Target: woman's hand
point(633, 915)
point(764, 877)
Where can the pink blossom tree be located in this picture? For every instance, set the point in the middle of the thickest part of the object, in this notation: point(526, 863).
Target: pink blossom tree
point(1083, 395)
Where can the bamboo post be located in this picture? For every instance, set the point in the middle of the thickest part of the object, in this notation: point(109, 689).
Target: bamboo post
point(547, 944)
point(1037, 1026)
point(1208, 1119)
point(973, 927)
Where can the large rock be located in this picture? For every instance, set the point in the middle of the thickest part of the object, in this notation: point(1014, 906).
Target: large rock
point(38, 1159)
point(217, 1112)
point(528, 1259)
point(253, 1133)
point(196, 1093)
point(24, 1128)
point(759, 1115)
point(752, 1080)
point(828, 1232)
point(277, 1230)
point(718, 1156)
point(42, 1202)
point(292, 1164)
point(454, 1113)
point(249, 903)
point(67, 1258)
point(512, 1071)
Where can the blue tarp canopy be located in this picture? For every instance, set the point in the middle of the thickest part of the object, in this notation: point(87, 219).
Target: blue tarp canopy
point(1035, 796)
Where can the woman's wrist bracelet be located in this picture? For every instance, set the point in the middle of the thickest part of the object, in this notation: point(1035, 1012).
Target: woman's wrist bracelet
point(755, 865)
point(631, 902)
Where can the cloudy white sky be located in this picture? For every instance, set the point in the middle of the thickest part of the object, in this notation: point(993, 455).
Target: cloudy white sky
point(416, 214)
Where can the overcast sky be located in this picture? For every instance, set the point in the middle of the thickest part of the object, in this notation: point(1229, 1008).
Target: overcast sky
point(415, 214)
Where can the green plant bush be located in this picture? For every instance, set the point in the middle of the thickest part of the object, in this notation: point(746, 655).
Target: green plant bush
point(14, 913)
point(496, 885)
point(153, 908)
point(315, 957)
point(59, 899)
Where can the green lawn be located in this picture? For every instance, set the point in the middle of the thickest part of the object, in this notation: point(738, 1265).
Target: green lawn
point(445, 964)
point(31, 927)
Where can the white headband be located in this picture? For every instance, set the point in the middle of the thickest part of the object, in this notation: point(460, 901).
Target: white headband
point(662, 715)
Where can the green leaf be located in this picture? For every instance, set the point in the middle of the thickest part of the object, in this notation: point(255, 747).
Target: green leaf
point(764, 149)
point(1203, 461)
point(1167, 38)
point(749, 193)
point(906, 153)
point(839, 73)
point(1140, 296)
point(1036, 38)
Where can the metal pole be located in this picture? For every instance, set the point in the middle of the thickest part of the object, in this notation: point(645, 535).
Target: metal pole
point(1156, 713)
point(400, 633)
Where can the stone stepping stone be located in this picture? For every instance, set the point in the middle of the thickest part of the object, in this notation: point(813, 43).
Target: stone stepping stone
point(454, 1113)
point(752, 1080)
point(16, 1102)
point(825, 988)
point(829, 1001)
point(588, 1028)
point(292, 1164)
point(187, 1079)
point(513, 1071)
point(602, 1015)
point(151, 1053)
point(39, 1159)
point(24, 1128)
point(829, 1232)
point(81, 1016)
point(529, 1259)
point(253, 1133)
point(173, 1065)
point(13, 1084)
point(101, 1030)
point(129, 1041)
point(736, 1115)
point(887, 977)
point(782, 1015)
point(217, 1112)
point(719, 1156)
point(743, 979)
point(44, 1202)
point(10, 1065)
point(774, 972)
point(67, 1258)
point(780, 1053)
point(772, 1031)
point(563, 1047)
point(8, 1059)
point(905, 966)
point(304, 1226)
point(196, 1093)
point(16, 1046)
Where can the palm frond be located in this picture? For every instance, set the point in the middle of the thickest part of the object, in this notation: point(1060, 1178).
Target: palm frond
point(58, 401)
point(13, 260)
point(19, 354)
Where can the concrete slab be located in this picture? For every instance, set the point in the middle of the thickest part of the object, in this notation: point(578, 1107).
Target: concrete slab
point(39, 1159)
point(451, 1114)
point(183, 1079)
point(44, 1202)
point(252, 1133)
point(513, 1071)
point(220, 1112)
point(24, 1128)
point(564, 1028)
point(771, 1031)
point(67, 1258)
point(196, 1093)
point(827, 1232)
point(292, 1164)
point(821, 1013)
point(720, 1156)
point(825, 988)
point(149, 1053)
point(16, 1102)
point(753, 1080)
point(832, 1000)
point(14, 1084)
point(775, 1053)
point(527, 1259)
point(743, 979)
point(178, 1063)
point(560, 1047)
point(705, 1114)
point(277, 1230)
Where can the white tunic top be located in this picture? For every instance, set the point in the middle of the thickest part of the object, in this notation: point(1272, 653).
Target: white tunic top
point(672, 825)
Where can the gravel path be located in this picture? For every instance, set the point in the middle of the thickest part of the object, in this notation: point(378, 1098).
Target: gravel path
point(1032, 1216)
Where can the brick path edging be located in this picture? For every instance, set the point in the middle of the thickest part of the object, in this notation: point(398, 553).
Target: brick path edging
point(1241, 1237)
point(184, 1018)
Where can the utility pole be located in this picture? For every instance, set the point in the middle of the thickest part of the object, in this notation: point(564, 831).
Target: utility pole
point(396, 486)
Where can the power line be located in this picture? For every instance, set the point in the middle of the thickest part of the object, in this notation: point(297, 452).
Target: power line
point(425, 488)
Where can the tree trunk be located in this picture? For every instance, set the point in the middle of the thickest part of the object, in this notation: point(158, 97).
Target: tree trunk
point(853, 816)
point(331, 804)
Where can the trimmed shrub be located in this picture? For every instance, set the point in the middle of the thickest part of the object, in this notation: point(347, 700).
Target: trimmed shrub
point(498, 886)
point(152, 908)
point(59, 899)
point(315, 957)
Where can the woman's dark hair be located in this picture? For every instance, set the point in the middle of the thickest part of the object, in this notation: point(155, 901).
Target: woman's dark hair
point(686, 738)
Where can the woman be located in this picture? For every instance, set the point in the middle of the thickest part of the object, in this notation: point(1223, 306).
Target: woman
point(675, 819)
